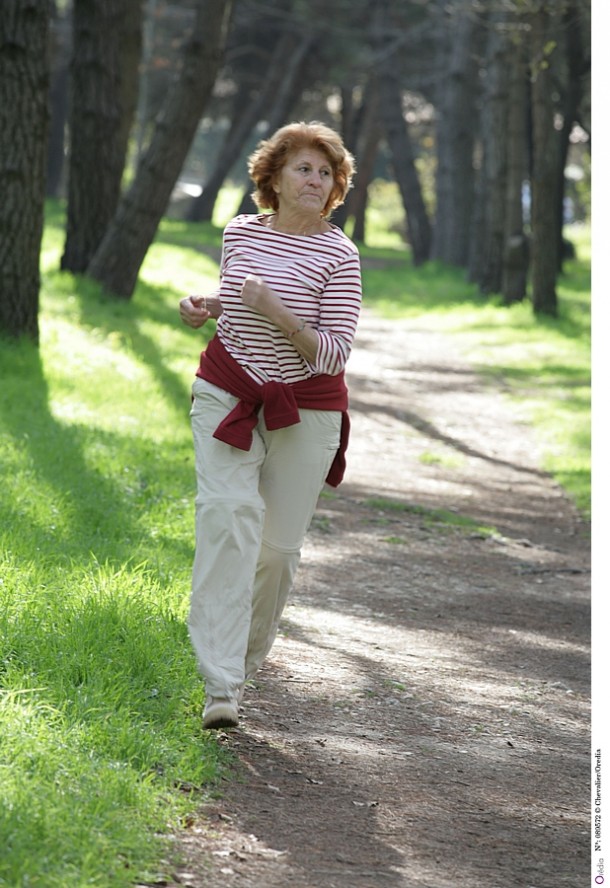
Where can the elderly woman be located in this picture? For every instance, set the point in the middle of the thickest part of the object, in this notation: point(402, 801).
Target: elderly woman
point(269, 411)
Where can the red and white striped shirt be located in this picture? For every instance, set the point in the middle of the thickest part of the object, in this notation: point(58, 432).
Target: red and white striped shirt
point(317, 276)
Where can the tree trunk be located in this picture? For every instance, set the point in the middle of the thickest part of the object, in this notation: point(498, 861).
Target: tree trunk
point(545, 164)
point(120, 255)
point(349, 134)
point(361, 135)
point(130, 59)
point(573, 69)
point(457, 96)
point(142, 108)
point(367, 147)
point(398, 138)
point(487, 246)
point(107, 35)
point(396, 130)
point(366, 165)
point(580, 31)
point(516, 252)
point(24, 120)
point(284, 64)
point(61, 39)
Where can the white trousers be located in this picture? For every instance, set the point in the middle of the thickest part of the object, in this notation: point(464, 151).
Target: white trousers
point(252, 510)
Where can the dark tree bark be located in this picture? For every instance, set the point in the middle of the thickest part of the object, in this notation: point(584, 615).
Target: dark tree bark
point(574, 72)
point(357, 128)
point(120, 255)
point(24, 120)
point(365, 132)
point(350, 116)
point(456, 99)
point(149, 29)
point(104, 77)
point(546, 163)
point(130, 59)
point(487, 245)
point(349, 134)
point(419, 233)
point(516, 253)
point(284, 65)
point(580, 31)
point(61, 41)
point(398, 137)
point(366, 164)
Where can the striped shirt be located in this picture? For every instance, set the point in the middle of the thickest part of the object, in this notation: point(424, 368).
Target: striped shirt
point(318, 277)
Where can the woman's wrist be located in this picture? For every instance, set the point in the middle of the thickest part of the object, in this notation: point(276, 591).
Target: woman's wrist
point(298, 329)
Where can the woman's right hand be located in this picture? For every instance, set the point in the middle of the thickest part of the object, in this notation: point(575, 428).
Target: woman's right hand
point(194, 311)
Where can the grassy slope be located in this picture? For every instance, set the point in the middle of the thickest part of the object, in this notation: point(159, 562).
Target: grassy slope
point(100, 700)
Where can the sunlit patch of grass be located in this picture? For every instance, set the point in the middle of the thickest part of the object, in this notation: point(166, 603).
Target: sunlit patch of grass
point(429, 517)
point(99, 693)
point(448, 460)
point(100, 708)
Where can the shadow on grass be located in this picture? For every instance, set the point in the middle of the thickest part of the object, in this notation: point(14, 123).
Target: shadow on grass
point(56, 501)
point(159, 305)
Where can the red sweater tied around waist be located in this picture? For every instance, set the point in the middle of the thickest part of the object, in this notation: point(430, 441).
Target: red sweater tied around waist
point(280, 402)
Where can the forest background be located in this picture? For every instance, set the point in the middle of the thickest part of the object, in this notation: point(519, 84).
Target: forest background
point(480, 112)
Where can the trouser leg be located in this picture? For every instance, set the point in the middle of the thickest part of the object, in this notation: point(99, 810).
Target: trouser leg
point(296, 463)
point(252, 512)
point(229, 522)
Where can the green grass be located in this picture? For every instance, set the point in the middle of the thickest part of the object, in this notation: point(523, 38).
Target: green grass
point(99, 695)
point(431, 518)
point(100, 737)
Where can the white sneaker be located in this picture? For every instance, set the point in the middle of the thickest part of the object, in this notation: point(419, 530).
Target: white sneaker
point(220, 712)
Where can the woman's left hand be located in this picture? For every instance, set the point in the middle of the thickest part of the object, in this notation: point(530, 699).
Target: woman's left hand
point(257, 295)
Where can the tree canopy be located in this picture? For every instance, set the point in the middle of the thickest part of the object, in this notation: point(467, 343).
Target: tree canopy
point(475, 109)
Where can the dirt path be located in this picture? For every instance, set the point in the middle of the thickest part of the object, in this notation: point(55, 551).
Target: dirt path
point(424, 718)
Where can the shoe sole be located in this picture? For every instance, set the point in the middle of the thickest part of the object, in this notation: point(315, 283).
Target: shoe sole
point(220, 717)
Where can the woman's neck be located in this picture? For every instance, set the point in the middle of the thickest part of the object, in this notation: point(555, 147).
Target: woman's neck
point(298, 226)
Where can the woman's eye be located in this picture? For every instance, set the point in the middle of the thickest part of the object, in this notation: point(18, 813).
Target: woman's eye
point(306, 170)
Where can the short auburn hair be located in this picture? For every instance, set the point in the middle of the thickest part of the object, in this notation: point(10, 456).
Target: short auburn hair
point(265, 163)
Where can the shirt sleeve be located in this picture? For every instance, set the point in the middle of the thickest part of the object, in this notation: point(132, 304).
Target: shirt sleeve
point(339, 311)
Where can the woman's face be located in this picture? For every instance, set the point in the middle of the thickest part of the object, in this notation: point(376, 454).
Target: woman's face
point(304, 183)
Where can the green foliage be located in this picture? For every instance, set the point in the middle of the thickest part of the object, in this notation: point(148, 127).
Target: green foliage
point(99, 694)
point(437, 518)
